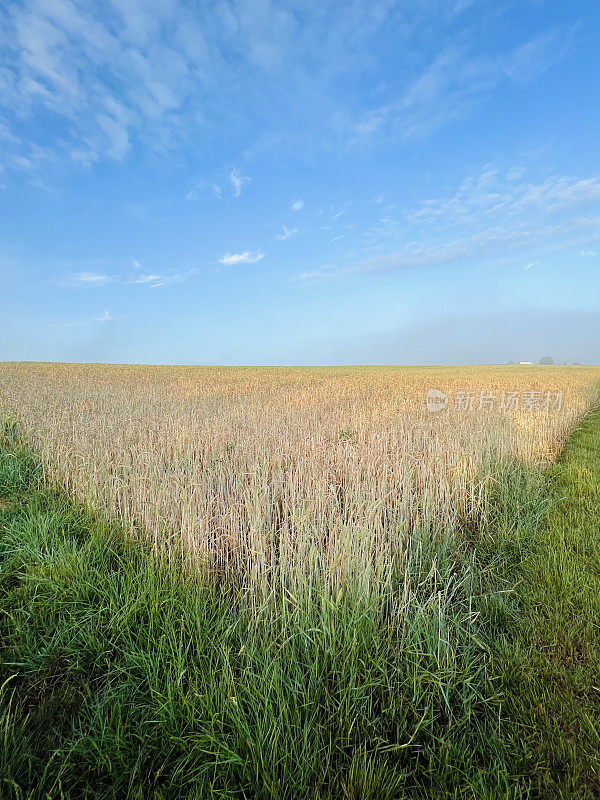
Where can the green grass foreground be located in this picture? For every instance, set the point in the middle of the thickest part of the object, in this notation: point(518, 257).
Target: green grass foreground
point(552, 662)
point(122, 679)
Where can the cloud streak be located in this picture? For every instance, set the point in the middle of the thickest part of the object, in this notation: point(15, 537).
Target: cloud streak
point(119, 76)
point(155, 281)
point(286, 233)
point(89, 280)
point(488, 216)
point(490, 193)
point(455, 81)
point(231, 259)
point(106, 317)
point(237, 181)
point(93, 280)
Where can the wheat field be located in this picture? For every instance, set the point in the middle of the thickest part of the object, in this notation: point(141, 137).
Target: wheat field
point(312, 586)
point(283, 477)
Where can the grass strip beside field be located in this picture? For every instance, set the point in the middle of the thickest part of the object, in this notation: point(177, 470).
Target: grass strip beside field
point(553, 666)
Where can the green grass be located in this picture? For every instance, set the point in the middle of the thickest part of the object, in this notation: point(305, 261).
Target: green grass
point(552, 660)
point(122, 679)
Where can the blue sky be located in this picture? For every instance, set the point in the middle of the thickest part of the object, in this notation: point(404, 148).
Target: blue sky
point(260, 182)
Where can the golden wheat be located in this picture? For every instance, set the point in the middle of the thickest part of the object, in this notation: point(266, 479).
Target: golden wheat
point(279, 476)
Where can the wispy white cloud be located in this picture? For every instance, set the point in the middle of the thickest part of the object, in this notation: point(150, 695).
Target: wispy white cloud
point(85, 157)
point(487, 243)
point(146, 279)
point(155, 281)
point(142, 278)
point(203, 187)
point(126, 74)
point(178, 277)
point(493, 241)
point(286, 233)
point(31, 157)
point(489, 216)
point(492, 193)
point(106, 317)
point(230, 259)
point(237, 181)
point(335, 212)
point(455, 81)
point(89, 279)
point(315, 276)
point(297, 205)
